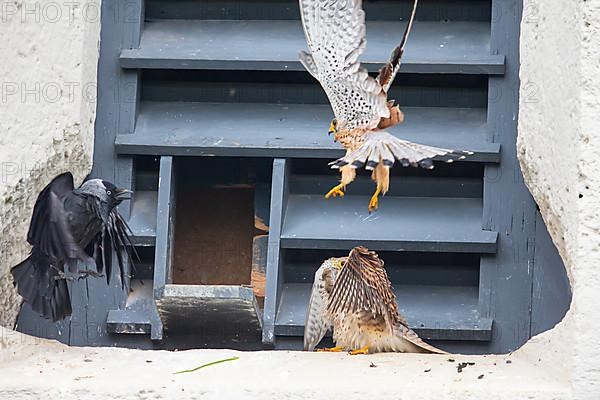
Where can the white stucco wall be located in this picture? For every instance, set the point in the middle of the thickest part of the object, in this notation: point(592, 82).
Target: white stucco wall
point(559, 150)
point(48, 59)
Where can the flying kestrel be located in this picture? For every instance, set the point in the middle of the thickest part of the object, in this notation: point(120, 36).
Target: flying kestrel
point(354, 296)
point(336, 36)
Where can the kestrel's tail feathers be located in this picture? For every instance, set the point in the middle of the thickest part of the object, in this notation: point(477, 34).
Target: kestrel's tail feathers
point(409, 335)
point(380, 146)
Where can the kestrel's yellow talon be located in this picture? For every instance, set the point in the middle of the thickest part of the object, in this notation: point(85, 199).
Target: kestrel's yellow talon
point(362, 350)
point(374, 203)
point(335, 349)
point(336, 191)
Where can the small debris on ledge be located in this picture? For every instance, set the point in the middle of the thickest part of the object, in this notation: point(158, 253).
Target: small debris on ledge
point(463, 365)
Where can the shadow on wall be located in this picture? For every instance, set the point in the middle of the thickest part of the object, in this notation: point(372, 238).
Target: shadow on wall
point(551, 291)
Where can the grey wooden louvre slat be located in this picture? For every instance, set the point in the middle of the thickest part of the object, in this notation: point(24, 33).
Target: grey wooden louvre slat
point(128, 321)
point(390, 10)
point(274, 275)
point(435, 312)
point(293, 130)
point(400, 224)
point(142, 220)
point(434, 47)
point(165, 228)
point(139, 311)
point(401, 186)
point(193, 306)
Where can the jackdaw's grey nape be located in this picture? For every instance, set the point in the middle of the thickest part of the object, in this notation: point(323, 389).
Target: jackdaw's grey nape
point(68, 226)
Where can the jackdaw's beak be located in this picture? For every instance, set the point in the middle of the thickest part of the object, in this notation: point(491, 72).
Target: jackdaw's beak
point(122, 194)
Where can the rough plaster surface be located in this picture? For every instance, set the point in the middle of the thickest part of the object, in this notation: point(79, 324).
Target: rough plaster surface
point(51, 370)
point(47, 106)
point(559, 152)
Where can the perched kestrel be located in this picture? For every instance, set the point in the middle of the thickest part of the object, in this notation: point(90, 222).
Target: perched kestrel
point(354, 296)
point(336, 36)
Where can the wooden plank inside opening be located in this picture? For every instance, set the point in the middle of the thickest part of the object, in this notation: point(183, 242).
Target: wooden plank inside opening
point(214, 235)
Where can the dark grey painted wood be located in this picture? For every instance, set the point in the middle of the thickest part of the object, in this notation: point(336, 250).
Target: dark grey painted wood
point(101, 298)
point(274, 279)
point(165, 220)
point(128, 321)
point(188, 308)
point(551, 295)
point(165, 217)
point(390, 10)
point(403, 268)
point(435, 312)
point(435, 47)
point(146, 181)
point(262, 202)
point(143, 217)
point(300, 130)
point(508, 207)
point(400, 223)
point(30, 323)
point(298, 87)
point(139, 312)
point(400, 186)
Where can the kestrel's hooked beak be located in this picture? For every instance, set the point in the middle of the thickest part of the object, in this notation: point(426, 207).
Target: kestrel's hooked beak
point(332, 129)
point(340, 263)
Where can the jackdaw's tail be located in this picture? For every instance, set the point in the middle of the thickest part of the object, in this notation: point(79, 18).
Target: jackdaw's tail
point(43, 287)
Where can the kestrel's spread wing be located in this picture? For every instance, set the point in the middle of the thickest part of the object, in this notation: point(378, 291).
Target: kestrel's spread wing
point(363, 285)
point(336, 36)
point(317, 319)
point(388, 72)
point(361, 307)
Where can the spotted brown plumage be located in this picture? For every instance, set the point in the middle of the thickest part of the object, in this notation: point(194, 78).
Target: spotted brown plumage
point(316, 323)
point(361, 307)
point(336, 36)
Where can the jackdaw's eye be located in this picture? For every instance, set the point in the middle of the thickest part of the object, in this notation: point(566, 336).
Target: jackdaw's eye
point(108, 192)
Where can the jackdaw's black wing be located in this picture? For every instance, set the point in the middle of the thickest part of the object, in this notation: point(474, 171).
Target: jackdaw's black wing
point(38, 277)
point(49, 229)
point(115, 235)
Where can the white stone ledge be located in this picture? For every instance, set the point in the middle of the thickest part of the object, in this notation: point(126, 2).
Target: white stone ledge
point(37, 368)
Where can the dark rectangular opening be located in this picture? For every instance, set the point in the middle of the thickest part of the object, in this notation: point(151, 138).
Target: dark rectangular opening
point(220, 222)
point(146, 173)
point(142, 275)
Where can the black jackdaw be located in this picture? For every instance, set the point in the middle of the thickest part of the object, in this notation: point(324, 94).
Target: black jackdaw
point(68, 226)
